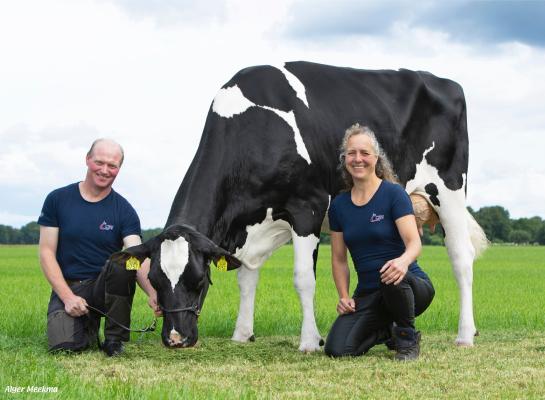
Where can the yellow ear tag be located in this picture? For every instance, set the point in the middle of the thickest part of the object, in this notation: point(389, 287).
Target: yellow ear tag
point(221, 264)
point(132, 264)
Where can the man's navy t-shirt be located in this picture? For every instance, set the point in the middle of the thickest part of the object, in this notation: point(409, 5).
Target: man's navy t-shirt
point(88, 232)
point(370, 232)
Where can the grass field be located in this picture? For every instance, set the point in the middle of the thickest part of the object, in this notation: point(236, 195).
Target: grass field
point(508, 360)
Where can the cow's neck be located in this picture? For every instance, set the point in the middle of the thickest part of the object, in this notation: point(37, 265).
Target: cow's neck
point(200, 202)
point(193, 205)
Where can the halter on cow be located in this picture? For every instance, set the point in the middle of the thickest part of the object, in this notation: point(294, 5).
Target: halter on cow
point(266, 169)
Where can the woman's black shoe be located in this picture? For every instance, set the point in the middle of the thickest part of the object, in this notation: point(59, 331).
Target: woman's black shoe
point(407, 344)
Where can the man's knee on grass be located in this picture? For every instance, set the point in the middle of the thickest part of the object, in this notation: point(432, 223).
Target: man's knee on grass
point(68, 333)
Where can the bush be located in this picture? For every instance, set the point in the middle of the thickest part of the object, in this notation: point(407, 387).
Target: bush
point(540, 238)
point(519, 236)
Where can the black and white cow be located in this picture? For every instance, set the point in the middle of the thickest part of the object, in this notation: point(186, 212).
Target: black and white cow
point(266, 170)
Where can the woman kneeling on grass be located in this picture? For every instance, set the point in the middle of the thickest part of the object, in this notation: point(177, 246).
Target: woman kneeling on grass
point(374, 219)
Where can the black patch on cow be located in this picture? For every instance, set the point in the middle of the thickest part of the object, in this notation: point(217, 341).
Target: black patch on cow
point(315, 258)
point(431, 189)
point(408, 110)
point(273, 89)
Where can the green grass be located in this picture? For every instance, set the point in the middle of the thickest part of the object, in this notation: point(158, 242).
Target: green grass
point(508, 360)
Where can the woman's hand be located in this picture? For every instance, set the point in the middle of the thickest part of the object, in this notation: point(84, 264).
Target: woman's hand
point(346, 305)
point(394, 271)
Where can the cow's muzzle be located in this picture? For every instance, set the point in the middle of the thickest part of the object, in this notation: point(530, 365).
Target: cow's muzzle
point(176, 340)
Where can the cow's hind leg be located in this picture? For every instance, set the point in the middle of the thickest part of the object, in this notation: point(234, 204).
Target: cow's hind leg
point(456, 223)
point(247, 283)
point(304, 249)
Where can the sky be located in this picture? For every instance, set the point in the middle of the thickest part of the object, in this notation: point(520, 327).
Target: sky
point(145, 72)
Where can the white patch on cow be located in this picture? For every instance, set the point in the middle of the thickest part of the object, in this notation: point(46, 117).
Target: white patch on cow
point(174, 258)
point(305, 284)
point(296, 84)
point(289, 117)
point(428, 150)
point(174, 337)
point(325, 223)
point(174, 333)
point(230, 101)
point(452, 202)
point(464, 238)
point(262, 239)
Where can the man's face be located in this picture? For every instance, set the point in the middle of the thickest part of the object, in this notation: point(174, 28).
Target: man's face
point(103, 164)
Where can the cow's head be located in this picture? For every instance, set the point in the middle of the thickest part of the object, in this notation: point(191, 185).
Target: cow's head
point(180, 272)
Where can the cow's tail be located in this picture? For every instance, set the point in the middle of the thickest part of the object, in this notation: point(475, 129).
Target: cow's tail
point(477, 235)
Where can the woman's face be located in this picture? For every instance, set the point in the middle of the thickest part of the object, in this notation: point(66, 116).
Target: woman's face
point(360, 158)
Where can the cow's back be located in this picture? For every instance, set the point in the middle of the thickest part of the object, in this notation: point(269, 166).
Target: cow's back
point(407, 110)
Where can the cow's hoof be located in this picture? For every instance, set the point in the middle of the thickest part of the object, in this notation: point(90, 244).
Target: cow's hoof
point(308, 349)
point(310, 346)
point(466, 340)
point(464, 343)
point(243, 338)
point(322, 342)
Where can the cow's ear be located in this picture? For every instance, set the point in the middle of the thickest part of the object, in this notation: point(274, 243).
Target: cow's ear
point(203, 244)
point(140, 252)
point(206, 246)
point(226, 261)
point(222, 258)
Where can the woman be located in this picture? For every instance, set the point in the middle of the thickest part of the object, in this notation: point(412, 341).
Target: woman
point(374, 219)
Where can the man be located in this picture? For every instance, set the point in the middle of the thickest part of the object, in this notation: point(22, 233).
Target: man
point(81, 225)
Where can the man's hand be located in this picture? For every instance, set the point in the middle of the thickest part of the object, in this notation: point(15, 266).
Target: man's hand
point(152, 302)
point(346, 305)
point(75, 306)
point(393, 271)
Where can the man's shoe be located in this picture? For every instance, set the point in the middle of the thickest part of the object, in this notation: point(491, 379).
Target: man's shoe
point(112, 348)
point(407, 344)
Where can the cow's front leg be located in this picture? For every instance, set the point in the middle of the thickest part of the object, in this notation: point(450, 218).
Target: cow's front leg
point(247, 283)
point(305, 284)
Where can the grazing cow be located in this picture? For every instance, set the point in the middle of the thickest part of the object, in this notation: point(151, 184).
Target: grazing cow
point(266, 170)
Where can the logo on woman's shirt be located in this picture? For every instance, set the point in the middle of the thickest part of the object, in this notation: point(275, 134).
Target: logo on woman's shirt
point(105, 227)
point(376, 218)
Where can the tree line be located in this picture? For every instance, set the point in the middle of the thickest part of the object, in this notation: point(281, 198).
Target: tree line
point(499, 228)
point(495, 221)
point(30, 234)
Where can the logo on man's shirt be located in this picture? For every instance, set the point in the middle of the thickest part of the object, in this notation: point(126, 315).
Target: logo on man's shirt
point(105, 227)
point(376, 218)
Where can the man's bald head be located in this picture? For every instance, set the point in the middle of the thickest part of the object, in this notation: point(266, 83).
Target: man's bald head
point(109, 143)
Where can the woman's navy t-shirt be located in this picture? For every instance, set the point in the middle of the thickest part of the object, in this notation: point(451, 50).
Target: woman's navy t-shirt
point(370, 232)
point(88, 232)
